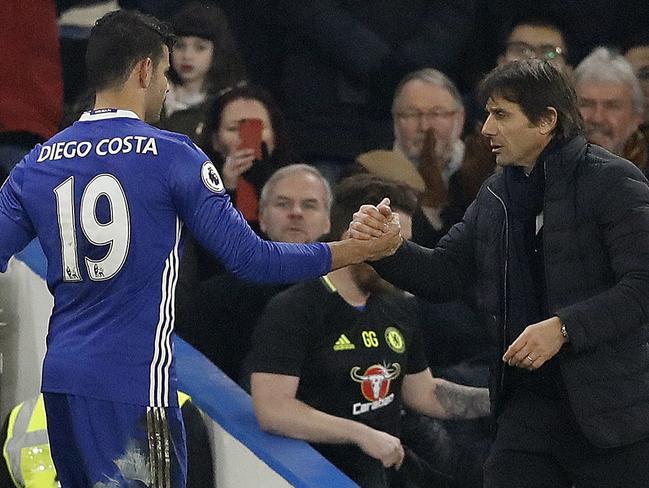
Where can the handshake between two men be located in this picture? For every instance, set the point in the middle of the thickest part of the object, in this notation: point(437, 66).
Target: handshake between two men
point(379, 225)
point(374, 233)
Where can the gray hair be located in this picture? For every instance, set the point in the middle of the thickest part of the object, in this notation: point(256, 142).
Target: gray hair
point(603, 65)
point(432, 77)
point(290, 170)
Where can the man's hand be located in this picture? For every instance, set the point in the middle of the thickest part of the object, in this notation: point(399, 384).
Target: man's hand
point(387, 244)
point(371, 221)
point(373, 234)
point(537, 344)
point(378, 227)
point(382, 446)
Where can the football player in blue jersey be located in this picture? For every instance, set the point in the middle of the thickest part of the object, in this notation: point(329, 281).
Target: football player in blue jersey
point(108, 199)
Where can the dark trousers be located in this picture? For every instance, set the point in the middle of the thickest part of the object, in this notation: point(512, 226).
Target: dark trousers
point(539, 445)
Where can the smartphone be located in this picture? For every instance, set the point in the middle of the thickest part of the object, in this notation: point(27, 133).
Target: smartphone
point(250, 135)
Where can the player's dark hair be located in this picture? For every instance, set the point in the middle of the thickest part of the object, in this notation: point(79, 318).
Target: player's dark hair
point(118, 41)
point(536, 85)
point(365, 188)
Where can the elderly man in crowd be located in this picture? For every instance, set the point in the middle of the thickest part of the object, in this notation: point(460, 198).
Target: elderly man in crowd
point(428, 116)
point(612, 104)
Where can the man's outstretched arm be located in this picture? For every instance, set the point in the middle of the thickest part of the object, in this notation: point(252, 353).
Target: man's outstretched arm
point(209, 214)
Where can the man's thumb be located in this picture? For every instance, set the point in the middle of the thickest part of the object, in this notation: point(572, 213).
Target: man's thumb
point(384, 207)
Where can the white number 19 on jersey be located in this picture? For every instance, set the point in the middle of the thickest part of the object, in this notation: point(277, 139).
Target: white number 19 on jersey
point(116, 233)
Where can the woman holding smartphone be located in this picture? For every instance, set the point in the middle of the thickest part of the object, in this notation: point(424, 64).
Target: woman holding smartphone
point(245, 136)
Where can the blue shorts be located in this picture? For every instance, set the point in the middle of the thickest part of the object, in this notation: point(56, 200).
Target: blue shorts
point(102, 444)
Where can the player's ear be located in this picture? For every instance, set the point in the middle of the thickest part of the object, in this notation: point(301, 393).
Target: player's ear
point(144, 70)
point(548, 121)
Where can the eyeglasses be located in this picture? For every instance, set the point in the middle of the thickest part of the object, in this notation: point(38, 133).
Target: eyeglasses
point(429, 116)
point(523, 50)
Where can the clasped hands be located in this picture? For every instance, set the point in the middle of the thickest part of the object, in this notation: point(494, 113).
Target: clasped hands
point(378, 226)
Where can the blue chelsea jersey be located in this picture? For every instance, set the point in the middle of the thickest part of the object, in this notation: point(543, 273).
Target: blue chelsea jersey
point(108, 199)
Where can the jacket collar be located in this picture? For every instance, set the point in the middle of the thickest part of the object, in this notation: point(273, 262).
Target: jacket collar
point(561, 159)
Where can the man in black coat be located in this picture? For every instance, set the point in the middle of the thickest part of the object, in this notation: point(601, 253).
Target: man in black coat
point(557, 245)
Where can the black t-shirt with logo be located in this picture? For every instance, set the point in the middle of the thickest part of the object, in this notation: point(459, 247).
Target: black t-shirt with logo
point(350, 362)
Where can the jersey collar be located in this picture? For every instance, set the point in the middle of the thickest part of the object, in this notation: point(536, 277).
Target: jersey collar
point(107, 113)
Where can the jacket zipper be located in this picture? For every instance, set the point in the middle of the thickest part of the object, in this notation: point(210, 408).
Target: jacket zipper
point(502, 371)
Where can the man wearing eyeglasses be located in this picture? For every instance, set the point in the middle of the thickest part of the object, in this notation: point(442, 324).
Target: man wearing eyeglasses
point(536, 38)
point(428, 116)
point(528, 36)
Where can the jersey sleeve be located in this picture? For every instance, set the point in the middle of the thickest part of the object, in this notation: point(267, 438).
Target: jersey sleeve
point(417, 361)
point(16, 228)
point(206, 210)
point(280, 340)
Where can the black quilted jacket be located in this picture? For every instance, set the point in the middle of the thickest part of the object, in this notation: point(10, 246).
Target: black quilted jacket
point(596, 248)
